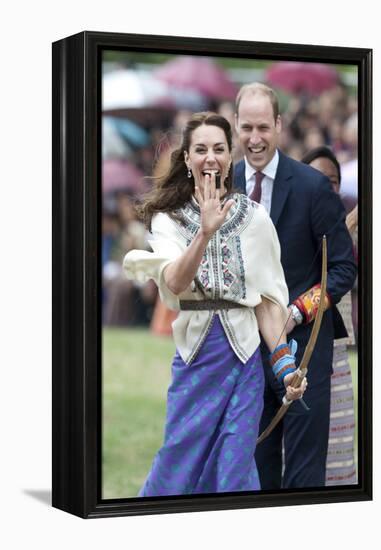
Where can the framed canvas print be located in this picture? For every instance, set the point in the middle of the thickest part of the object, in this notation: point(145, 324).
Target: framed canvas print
point(211, 274)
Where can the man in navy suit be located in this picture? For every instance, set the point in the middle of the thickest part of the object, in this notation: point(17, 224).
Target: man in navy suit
point(303, 208)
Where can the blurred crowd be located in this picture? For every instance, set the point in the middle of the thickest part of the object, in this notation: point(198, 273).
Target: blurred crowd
point(329, 118)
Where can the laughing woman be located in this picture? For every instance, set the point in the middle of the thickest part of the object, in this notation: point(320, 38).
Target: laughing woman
point(216, 258)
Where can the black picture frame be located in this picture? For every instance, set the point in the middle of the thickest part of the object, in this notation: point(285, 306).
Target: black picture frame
point(77, 417)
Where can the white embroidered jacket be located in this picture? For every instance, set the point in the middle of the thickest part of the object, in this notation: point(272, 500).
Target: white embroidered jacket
point(241, 263)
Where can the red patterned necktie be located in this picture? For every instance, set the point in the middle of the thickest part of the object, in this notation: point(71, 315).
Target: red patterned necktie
point(257, 192)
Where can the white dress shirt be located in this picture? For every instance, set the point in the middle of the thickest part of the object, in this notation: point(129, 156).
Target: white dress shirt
point(267, 183)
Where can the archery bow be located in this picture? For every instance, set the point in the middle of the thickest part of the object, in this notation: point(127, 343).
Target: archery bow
point(301, 372)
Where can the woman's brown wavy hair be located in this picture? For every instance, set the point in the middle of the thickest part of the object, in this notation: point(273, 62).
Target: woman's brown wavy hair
point(174, 189)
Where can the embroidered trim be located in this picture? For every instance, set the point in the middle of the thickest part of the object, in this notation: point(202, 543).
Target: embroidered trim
point(201, 339)
point(213, 256)
point(221, 274)
point(238, 217)
point(231, 337)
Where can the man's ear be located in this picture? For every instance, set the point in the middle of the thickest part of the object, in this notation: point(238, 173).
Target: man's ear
point(236, 122)
point(278, 124)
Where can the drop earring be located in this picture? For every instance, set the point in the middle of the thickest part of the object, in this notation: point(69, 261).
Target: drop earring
point(189, 173)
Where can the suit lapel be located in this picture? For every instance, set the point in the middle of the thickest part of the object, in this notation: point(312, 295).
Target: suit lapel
point(282, 185)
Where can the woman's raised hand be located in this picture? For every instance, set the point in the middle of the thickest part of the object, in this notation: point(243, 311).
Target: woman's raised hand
point(213, 214)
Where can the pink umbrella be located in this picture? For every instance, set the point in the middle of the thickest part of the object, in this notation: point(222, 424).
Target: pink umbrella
point(297, 77)
point(120, 174)
point(200, 74)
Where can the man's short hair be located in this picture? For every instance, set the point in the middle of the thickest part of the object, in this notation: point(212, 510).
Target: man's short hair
point(259, 88)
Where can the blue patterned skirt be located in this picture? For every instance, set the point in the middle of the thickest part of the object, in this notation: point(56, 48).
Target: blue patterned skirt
point(213, 412)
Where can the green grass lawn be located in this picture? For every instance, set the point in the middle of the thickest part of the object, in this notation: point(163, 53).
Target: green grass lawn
point(136, 375)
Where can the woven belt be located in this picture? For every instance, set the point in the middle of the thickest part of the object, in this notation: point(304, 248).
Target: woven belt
point(198, 305)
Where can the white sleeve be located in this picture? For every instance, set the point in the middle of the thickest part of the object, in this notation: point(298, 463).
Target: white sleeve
point(269, 275)
point(166, 244)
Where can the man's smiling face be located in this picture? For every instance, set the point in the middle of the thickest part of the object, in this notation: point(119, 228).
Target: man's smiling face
point(257, 130)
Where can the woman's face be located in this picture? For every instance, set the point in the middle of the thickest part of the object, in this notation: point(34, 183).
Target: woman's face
point(327, 167)
point(208, 151)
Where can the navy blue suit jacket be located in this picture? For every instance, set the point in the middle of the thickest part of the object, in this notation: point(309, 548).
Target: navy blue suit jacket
point(303, 209)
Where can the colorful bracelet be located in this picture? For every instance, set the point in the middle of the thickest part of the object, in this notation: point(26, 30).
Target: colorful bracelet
point(282, 360)
point(308, 303)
